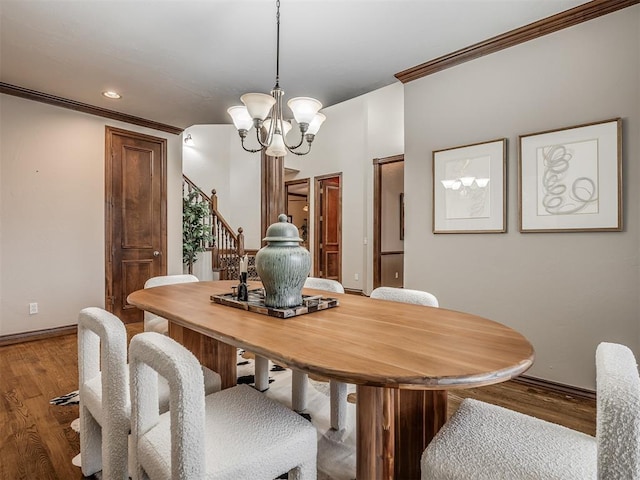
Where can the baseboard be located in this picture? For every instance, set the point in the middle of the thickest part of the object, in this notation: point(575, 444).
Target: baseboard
point(353, 291)
point(37, 335)
point(556, 387)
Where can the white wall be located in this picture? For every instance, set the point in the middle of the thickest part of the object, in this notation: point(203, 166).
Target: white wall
point(355, 132)
point(566, 292)
point(52, 212)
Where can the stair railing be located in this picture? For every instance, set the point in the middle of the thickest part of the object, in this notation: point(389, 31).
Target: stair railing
point(227, 246)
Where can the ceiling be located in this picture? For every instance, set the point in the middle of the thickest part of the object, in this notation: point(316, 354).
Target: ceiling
point(185, 62)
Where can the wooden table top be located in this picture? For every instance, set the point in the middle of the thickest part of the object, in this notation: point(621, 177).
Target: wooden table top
point(363, 341)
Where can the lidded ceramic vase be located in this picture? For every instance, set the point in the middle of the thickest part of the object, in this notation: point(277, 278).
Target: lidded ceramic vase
point(283, 265)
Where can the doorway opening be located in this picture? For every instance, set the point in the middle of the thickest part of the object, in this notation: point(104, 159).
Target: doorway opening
point(388, 221)
point(297, 207)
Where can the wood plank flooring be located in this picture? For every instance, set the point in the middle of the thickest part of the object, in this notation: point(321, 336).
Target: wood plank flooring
point(37, 442)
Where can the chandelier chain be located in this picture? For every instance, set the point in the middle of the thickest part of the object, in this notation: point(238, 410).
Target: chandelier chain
point(278, 44)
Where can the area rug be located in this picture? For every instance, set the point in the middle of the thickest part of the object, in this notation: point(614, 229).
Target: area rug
point(336, 449)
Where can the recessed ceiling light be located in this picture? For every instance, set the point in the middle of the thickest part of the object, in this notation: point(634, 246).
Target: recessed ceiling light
point(111, 94)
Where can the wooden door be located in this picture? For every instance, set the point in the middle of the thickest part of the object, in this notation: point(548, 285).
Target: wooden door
point(136, 218)
point(328, 215)
point(388, 221)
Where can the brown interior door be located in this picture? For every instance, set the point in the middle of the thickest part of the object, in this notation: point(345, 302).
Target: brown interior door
point(329, 228)
point(136, 220)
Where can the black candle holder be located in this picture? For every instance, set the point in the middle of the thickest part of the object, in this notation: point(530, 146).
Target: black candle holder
point(243, 290)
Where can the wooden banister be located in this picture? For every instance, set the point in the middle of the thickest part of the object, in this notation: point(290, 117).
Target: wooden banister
point(227, 246)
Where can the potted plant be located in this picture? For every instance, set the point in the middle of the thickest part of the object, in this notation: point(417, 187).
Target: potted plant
point(196, 232)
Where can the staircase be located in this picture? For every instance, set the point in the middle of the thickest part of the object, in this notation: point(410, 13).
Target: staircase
point(227, 246)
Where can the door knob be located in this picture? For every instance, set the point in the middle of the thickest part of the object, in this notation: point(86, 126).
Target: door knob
point(156, 253)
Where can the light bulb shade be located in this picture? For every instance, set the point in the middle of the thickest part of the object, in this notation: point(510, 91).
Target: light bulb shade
point(241, 118)
point(286, 126)
point(314, 126)
point(482, 182)
point(276, 147)
point(304, 108)
point(258, 104)
point(448, 184)
point(467, 181)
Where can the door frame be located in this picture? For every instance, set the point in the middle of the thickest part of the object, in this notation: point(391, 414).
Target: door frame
point(377, 214)
point(316, 221)
point(108, 206)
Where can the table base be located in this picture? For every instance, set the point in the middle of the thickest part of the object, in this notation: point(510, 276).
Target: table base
point(393, 428)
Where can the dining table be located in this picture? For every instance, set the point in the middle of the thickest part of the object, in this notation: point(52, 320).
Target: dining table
point(403, 358)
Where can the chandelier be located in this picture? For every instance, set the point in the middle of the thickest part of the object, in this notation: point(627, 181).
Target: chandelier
point(264, 112)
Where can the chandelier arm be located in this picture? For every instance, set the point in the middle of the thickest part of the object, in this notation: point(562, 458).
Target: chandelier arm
point(299, 153)
point(291, 148)
point(250, 150)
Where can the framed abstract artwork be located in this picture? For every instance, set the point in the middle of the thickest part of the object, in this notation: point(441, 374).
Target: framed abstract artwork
point(570, 179)
point(469, 188)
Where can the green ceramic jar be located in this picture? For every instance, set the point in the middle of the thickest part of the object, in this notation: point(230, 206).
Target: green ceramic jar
point(283, 265)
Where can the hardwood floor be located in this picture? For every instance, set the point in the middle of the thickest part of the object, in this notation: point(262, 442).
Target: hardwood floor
point(37, 442)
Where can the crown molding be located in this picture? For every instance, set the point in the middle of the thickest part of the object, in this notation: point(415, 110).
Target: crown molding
point(568, 18)
point(17, 91)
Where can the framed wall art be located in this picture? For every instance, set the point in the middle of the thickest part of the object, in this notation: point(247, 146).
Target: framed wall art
point(570, 179)
point(469, 188)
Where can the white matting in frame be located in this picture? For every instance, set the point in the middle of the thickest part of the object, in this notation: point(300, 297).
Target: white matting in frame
point(571, 179)
point(469, 188)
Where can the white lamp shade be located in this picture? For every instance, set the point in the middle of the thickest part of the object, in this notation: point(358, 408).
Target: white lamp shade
point(448, 183)
point(314, 126)
point(286, 126)
point(304, 108)
point(241, 118)
point(467, 181)
point(276, 147)
point(482, 182)
point(258, 104)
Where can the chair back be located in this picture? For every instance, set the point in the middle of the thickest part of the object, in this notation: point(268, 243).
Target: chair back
point(404, 295)
point(150, 354)
point(618, 413)
point(102, 348)
point(151, 318)
point(104, 393)
point(324, 284)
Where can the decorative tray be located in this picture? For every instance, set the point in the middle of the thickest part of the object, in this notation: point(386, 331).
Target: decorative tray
point(310, 304)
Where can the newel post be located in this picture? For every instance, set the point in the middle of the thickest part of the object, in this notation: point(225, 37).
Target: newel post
point(214, 200)
point(240, 242)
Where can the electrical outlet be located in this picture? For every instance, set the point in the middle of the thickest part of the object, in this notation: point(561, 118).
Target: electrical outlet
point(356, 277)
point(33, 308)
point(396, 274)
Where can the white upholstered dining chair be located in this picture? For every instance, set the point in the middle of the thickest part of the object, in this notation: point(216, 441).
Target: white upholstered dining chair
point(236, 433)
point(405, 295)
point(156, 323)
point(487, 442)
point(104, 393)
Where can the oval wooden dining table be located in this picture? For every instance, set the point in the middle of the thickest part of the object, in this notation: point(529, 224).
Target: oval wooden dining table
point(403, 358)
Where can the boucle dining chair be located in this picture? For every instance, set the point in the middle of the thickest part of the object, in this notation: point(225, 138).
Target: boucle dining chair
point(405, 295)
point(104, 393)
point(156, 323)
point(487, 442)
point(236, 433)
